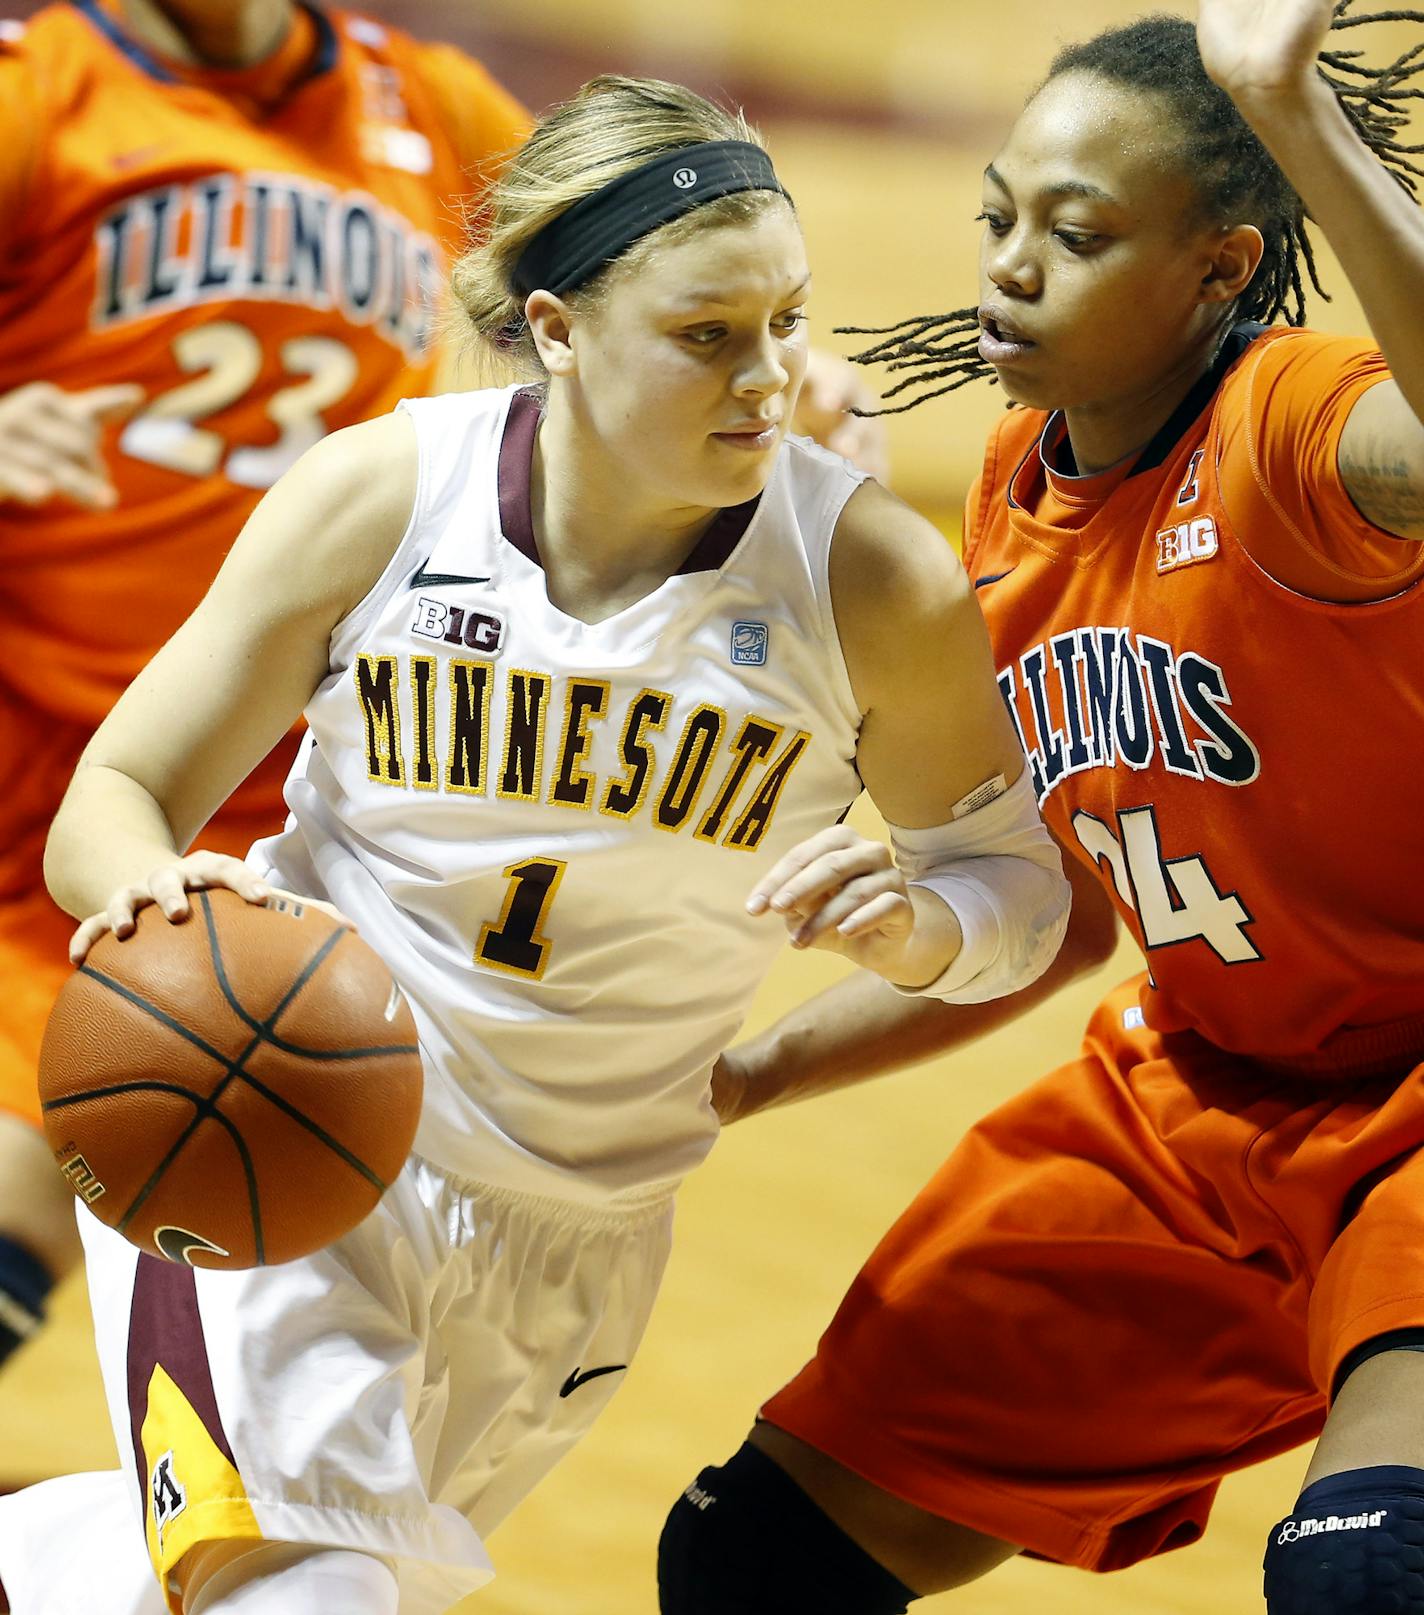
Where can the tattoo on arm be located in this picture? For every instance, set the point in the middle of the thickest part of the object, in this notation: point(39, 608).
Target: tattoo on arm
point(1385, 488)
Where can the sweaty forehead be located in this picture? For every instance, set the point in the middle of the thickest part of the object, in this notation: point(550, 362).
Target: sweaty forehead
point(1083, 133)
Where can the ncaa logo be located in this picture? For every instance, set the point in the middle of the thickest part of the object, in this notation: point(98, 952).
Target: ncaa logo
point(749, 643)
point(685, 178)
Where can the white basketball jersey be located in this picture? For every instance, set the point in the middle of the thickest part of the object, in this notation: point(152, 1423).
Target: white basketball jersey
point(548, 828)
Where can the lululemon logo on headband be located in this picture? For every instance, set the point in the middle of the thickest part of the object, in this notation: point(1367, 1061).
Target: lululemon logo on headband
point(685, 178)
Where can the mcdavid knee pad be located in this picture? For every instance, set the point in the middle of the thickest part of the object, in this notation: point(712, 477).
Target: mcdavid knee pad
point(744, 1539)
point(1353, 1545)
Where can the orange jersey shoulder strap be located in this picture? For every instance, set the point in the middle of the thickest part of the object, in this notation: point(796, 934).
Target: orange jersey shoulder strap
point(483, 121)
point(1012, 438)
point(1281, 417)
point(37, 61)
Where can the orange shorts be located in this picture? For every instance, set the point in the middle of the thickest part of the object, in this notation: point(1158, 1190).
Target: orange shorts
point(1136, 1276)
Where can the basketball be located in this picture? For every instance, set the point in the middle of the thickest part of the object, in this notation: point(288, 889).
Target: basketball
point(235, 1090)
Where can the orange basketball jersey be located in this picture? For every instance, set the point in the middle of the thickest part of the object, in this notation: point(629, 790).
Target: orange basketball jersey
point(1213, 662)
point(263, 251)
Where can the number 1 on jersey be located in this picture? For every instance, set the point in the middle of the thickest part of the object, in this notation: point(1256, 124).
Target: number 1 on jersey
point(513, 942)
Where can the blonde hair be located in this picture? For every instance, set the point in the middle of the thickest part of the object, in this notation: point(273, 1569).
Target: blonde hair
point(608, 128)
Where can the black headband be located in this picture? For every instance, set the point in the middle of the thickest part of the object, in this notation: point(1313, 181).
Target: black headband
point(602, 226)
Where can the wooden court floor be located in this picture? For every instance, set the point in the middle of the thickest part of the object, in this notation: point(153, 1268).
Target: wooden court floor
point(769, 1233)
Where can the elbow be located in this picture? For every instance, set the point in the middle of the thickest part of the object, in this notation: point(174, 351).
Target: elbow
point(69, 844)
point(1041, 944)
point(1014, 913)
point(1073, 934)
point(1092, 935)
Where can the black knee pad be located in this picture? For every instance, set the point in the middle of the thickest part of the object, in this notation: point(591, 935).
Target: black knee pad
point(1354, 1545)
point(744, 1539)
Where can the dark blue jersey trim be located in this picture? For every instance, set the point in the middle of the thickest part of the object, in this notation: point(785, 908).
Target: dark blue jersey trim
point(1238, 339)
point(122, 43)
point(328, 44)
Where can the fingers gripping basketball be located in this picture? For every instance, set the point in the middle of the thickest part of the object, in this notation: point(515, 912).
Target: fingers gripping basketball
point(235, 1090)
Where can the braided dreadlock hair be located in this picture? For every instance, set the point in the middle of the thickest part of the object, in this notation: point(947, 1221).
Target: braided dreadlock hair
point(1237, 177)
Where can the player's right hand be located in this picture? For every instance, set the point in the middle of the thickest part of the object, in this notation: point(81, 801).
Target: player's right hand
point(840, 891)
point(168, 887)
point(51, 442)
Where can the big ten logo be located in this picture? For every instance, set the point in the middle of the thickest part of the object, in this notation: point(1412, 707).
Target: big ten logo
point(453, 625)
point(81, 1175)
point(1185, 543)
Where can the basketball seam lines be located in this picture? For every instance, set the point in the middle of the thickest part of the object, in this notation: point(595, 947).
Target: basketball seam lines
point(266, 1032)
point(230, 1067)
point(203, 1107)
point(148, 1085)
point(267, 1027)
point(335, 1145)
point(160, 1015)
point(207, 1107)
point(306, 973)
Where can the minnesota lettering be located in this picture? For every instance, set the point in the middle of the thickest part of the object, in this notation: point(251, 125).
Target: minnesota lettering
point(273, 237)
point(1106, 698)
point(718, 778)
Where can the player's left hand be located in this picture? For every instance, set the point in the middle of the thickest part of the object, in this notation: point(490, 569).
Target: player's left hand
point(1262, 47)
point(833, 388)
point(843, 893)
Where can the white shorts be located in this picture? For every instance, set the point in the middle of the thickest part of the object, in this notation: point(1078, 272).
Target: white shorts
point(398, 1393)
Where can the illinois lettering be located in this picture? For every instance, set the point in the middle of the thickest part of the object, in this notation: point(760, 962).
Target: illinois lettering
point(272, 237)
point(1106, 698)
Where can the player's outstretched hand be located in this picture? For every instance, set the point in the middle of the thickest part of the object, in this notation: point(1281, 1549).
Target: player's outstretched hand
point(843, 893)
point(168, 887)
point(832, 388)
point(1262, 47)
point(51, 442)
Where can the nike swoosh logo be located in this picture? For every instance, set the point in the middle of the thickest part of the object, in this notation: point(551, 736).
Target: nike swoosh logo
point(980, 583)
point(132, 159)
point(572, 1383)
point(436, 580)
point(178, 1245)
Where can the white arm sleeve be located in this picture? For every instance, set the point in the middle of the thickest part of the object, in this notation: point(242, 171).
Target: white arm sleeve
point(1000, 872)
